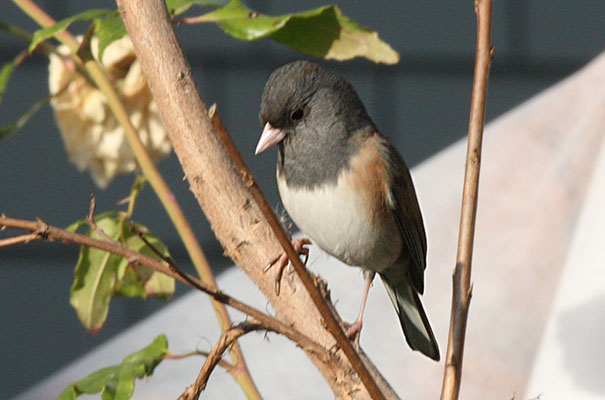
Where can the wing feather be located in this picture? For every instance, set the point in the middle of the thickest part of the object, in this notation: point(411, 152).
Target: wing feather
point(407, 212)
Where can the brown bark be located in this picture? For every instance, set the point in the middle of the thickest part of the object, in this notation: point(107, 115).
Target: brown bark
point(462, 289)
point(221, 192)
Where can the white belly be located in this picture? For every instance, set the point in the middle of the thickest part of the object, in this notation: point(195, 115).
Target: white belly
point(334, 217)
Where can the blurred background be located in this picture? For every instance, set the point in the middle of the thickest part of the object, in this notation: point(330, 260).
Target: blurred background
point(422, 104)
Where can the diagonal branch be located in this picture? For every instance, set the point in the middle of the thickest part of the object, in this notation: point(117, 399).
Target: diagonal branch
point(214, 357)
point(308, 280)
point(43, 231)
point(28, 237)
point(462, 288)
point(243, 225)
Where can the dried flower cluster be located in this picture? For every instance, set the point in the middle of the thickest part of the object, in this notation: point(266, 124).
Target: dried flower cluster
point(93, 138)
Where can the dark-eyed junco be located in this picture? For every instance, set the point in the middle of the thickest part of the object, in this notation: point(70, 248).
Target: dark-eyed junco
point(347, 187)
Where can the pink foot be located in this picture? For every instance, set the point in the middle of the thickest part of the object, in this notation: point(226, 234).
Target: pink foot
point(282, 261)
point(353, 331)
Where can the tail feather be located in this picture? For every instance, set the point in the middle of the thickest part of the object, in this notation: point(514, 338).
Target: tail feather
point(413, 319)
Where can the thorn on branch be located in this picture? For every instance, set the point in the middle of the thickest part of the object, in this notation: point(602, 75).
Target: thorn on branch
point(247, 178)
point(90, 219)
point(43, 229)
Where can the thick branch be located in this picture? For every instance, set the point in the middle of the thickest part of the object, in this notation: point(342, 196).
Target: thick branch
point(462, 289)
point(233, 212)
point(306, 277)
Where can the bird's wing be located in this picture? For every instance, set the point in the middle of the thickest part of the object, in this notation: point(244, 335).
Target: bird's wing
point(408, 215)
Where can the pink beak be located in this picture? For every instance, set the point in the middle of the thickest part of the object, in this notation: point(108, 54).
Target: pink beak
point(270, 137)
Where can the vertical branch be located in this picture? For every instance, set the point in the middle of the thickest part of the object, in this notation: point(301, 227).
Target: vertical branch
point(462, 289)
point(154, 177)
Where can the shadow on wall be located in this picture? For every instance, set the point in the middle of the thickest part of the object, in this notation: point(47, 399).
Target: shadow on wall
point(578, 327)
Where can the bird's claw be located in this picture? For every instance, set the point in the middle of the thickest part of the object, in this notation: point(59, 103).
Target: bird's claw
point(282, 261)
point(353, 331)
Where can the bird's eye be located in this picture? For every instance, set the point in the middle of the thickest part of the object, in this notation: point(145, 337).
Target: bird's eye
point(296, 115)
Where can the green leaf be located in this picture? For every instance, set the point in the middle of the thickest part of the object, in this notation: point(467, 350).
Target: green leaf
point(138, 280)
point(323, 32)
point(108, 29)
point(117, 382)
point(130, 283)
point(76, 225)
point(100, 275)
point(95, 278)
point(46, 33)
point(176, 7)
point(5, 74)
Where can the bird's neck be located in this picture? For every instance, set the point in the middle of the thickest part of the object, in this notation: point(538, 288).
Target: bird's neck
point(316, 162)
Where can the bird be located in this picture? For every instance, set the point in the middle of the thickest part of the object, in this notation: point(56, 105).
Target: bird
point(347, 188)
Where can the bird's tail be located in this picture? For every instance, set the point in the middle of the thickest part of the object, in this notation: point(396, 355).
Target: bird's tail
point(413, 319)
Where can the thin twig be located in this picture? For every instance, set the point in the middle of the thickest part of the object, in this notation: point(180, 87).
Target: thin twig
point(225, 364)
point(168, 260)
point(214, 357)
point(308, 281)
point(462, 288)
point(188, 20)
point(28, 237)
point(21, 57)
point(90, 219)
point(48, 232)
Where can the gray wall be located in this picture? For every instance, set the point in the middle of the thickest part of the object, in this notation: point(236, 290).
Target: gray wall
point(421, 104)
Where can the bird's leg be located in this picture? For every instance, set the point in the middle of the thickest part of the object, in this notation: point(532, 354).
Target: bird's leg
point(354, 330)
point(282, 260)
